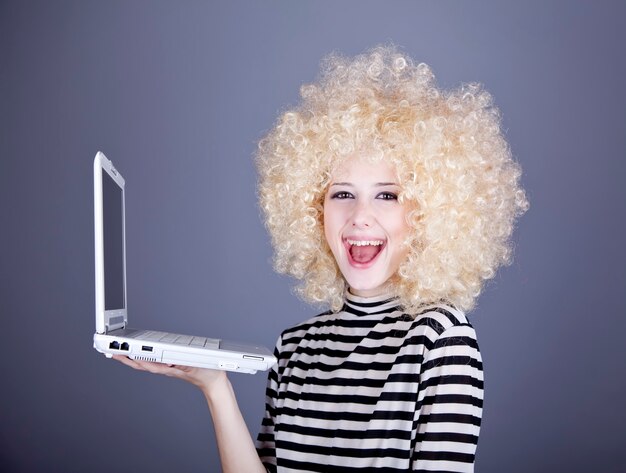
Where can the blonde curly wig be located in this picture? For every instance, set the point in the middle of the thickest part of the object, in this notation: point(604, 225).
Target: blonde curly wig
point(453, 164)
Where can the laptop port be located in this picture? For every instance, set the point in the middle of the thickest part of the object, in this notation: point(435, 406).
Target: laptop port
point(146, 348)
point(114, 345)
point(124, 346)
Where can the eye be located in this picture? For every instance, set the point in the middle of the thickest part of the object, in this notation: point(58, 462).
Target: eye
point(387, 196)
point(342, 195)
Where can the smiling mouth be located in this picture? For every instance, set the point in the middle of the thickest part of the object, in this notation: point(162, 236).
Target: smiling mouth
point(364, 251)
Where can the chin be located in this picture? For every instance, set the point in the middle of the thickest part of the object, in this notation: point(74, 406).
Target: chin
point(367, 289)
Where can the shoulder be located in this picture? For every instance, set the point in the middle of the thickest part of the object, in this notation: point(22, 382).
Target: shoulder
point(320, 320)
point(442, 323)
point(294, 334)
point(442, 317)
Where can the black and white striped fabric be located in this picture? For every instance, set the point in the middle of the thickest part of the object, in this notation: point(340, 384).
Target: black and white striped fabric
point(372, 389)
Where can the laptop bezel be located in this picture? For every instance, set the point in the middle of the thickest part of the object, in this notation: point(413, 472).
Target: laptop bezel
point(107, 320)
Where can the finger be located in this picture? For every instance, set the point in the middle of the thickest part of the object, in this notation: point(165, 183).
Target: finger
point(128, 362)
point(186, 369)
point(160, 368)
point(177, 371)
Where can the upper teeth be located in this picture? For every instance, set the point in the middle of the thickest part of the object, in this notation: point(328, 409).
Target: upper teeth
point(365, 242)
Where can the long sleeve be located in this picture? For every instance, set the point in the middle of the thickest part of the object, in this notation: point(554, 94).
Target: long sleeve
point(266, 445)
point(450, 401)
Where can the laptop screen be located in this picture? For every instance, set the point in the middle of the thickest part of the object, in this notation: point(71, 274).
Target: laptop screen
point(113, 240)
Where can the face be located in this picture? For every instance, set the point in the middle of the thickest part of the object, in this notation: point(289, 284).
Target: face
point(365, 224)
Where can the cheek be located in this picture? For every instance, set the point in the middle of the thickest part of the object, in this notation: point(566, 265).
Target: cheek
point(326, 230)
point(330, 227)
point(401, 231)
point(404, 229)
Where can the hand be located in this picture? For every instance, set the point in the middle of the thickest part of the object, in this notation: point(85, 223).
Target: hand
point(204, 378)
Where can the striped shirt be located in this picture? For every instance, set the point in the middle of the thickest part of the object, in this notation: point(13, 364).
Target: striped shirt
point(372, 389)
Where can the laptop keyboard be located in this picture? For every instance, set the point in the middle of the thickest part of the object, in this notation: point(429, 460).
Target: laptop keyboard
point(166, 337)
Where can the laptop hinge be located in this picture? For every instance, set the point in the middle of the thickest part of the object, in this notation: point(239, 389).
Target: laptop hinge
point(114, 322)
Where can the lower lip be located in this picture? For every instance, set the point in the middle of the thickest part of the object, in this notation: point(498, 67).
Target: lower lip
point(362, 265)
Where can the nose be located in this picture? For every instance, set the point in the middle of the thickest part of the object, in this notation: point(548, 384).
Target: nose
point(362, 216)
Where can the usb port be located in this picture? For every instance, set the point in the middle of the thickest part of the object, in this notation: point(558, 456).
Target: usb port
point(146, 348)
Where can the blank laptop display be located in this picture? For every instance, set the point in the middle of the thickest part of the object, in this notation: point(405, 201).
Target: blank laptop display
point(113, 335)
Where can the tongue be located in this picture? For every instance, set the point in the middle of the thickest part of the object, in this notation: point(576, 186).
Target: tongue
point(364, 254)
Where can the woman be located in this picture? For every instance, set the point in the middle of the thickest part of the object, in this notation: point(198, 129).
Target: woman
point(392, 201)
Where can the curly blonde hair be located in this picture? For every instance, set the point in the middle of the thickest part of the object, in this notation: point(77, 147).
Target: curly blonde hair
point(453, 164)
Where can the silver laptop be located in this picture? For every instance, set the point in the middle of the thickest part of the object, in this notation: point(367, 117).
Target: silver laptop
point(113, 336)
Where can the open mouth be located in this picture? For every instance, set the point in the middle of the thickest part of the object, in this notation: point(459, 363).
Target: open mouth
point(363, 252)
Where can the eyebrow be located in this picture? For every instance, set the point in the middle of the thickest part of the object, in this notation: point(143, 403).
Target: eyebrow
point(378, 184)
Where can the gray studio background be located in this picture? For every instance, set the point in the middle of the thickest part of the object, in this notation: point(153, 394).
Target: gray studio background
point(177, 94)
